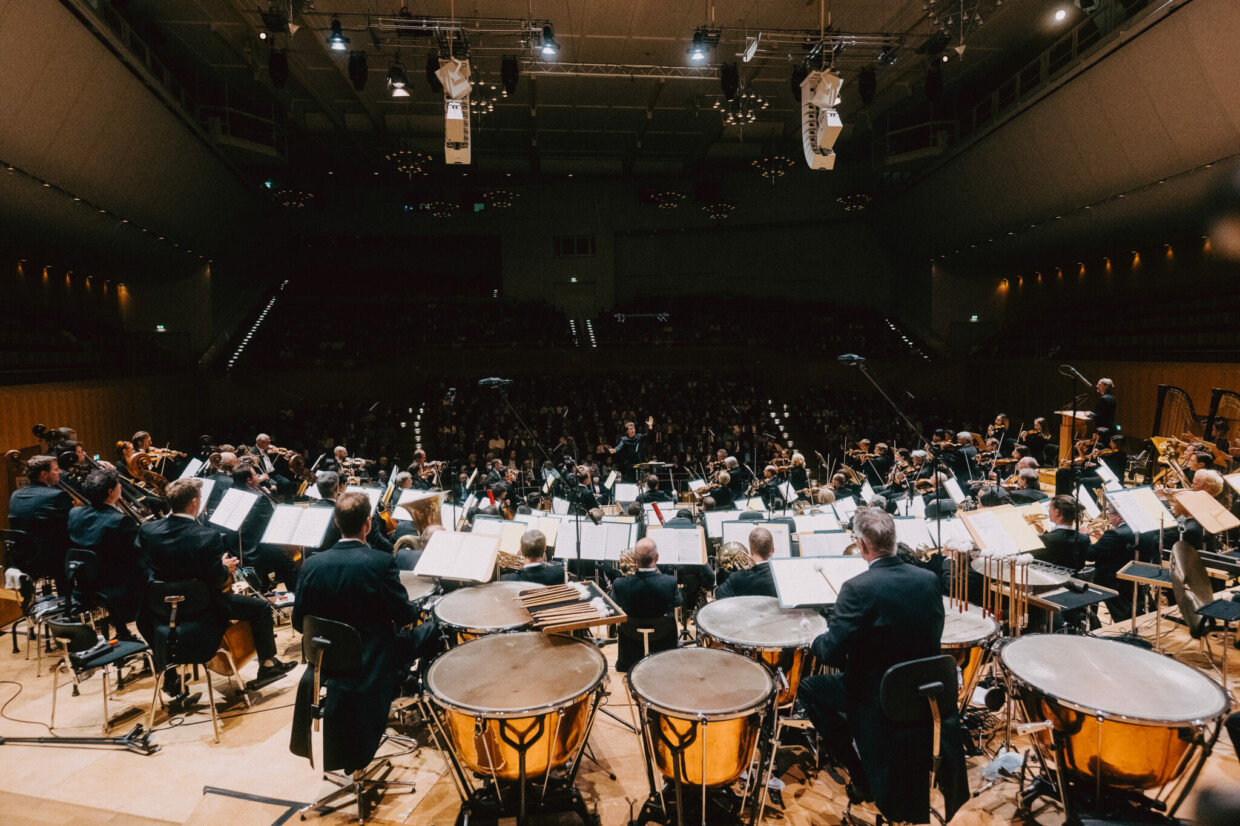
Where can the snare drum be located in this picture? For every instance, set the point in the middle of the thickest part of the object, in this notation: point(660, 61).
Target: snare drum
point(760, 629)
point(513, 698)
point(702, 710)
point(967, 637)
point(474, 612)
point(1125, 717)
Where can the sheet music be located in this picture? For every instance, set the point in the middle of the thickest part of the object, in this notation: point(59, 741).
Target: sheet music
point(990, 534)
point(814, 522)
point(738, 531)
point(297, 525)
point(372, 494)
point(208, 485)
point(814, 580)
point(954, 491)
point(845, 508)
point(449, 514)
point(1087, 502)
point(824, 543)
point(191, 469)
point(1233, 479)
point(559, 505)
point(284, 519)
point(233, 508)
point(488, 525)
point(626, 492)
point(611, 480)
point(714, 522)
point(912, 531)
point(550, 527)
point(1141, 509)
point(1109, 479)
point(867, 490)
point(698, 484)
point(954, 529)
point(679, 546)
point(754, 503)
point(465, 556)
point(600, 542)
point(785, 489)
point(510, 537)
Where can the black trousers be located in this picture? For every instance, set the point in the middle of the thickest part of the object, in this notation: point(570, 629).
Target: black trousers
point(262, 622)
point(826, 702)
point(271, 560)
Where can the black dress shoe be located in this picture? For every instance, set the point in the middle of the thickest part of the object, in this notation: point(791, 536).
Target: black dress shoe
point(276, 669)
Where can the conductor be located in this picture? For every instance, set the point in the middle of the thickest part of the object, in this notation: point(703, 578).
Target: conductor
point(628, 451)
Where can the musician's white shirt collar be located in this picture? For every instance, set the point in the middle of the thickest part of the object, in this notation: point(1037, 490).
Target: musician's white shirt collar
point(186, 516)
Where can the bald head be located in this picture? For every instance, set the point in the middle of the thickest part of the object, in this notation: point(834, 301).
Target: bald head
point(761, 544)
point(646, 552)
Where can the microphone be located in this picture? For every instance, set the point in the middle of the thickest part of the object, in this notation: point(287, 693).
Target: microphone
point(1069, 370)
point(851, 359)
point(768, 436)
point(495, 384)
point(565, 416)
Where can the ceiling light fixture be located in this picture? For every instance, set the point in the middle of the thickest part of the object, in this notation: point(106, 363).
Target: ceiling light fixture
point(337, 39)
point(397, 81)
point(1060, 15)
point(550, 49)
point(697, 52)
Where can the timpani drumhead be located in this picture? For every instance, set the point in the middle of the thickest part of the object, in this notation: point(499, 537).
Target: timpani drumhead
point(506, 675)
point(1040, 579)
point(760, 622)
point(966, 629)
point(493, 606)
point(1113, 679)
point(417, 587)
point(711, 682)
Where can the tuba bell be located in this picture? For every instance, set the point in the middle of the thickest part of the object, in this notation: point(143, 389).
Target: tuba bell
point(425, 511)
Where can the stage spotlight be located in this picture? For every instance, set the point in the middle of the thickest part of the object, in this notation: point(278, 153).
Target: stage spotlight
point(697, 52)
point(1060, 15)
point(867, 84)
point(277, 68)
point(397, 81)
point(729, 80)
point(359, 70)
point(549, 47)
point(337, 39)
point(432, 67)
point(508, 74)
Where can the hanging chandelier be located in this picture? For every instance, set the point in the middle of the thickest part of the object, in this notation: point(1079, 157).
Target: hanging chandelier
point(773, 166)
point(409, 162)
point(743, 108)
point(719, 210)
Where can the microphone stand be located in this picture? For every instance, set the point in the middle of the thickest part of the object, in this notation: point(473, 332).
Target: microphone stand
point(917, 434)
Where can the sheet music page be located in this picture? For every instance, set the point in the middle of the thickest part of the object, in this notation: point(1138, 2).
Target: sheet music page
point(475, 557)
point(439, 558)
point(988, 532)
point(284, 519)
point(954, 529)
point(208, 485)
point(233, 508)
point(526, 519)
point(510, 537)
point(815, 580)
point(918, 507)
point(714, 522)
point(679, 546)
point(559, 506)
point(489, 525)
point(1087, 502)
point(372, 494)
point(1133, 512)
point(785, 488)
point(738, 531)
point(1109, 479)
point(912, 531)
point(611, 480)
point(814, 522)
point(867, 490)
point(697, 484)
point(593, 543)
point(550, 528)
point(311, 527)
point(626, 492)
point(782, 537)
point(954, 491)
point(1233, 479)
point(191, 469)
point(448, 515)
point(824, 543)
point(312, 491)
point(754, 503)
point(845, 508)
point(406, 496)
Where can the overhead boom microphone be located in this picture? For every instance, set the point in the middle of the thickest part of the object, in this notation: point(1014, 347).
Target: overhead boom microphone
point(1069, 370)
point(495, 384)
point(851, 359)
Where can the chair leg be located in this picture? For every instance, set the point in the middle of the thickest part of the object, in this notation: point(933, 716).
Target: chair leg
point(55, 685)
point(215, 720)
point(107, 716)
point(155, 698)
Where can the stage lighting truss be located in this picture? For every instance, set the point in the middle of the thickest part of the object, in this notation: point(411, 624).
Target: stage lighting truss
point(719, 210)
point(293, 198)
point(410, 162)
point(667, 198)
point(773, 166)
point(743, 108)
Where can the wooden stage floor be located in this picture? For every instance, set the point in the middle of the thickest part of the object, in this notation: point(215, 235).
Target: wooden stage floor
point(182, 783)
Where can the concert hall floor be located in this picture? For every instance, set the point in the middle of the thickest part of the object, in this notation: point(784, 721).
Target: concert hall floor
point(84, 786)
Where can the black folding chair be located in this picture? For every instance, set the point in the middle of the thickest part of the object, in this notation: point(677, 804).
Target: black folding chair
point(191, 635)
point(84, 653)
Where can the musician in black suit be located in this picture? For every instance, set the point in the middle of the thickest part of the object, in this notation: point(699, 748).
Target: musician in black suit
point(41, 509)
point(628, 451)
point(1114, 549)
point(178, 548)
point(536, 569)
point(268, 561)
point(222, 478)
point(360, 586)
point(721, 492)
point(1104, 409)
point(1065, 545)
point(756, 581)
point(102, 527)
point(652, 492)
point(890, 614)
point(736, 478)
point(1028, 487)
point(275, 467)
point(646, 592)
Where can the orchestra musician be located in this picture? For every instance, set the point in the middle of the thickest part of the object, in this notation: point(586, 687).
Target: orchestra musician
point(1114, 549)
point(273, 463)
point(652, 492)
point(646, 592)
point(1028, 487)
point(721, 491)
point(772, 497)
point(757, 581)
point(1037, 439)
point(736, 478)
point(890, 614)
point(798, 476)
point(495, 473)
point(358, 585)
point(419, 472)
point(1064, 545)
point(102, 527)
point(842, 487)
point(41, 509)
point(267, 560)
point(222, 477)
point(337, 462)
point(628, 450)
point(178, 548)
point(536, 568)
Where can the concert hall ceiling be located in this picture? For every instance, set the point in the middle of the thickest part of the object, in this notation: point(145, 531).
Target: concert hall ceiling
point(608, 102)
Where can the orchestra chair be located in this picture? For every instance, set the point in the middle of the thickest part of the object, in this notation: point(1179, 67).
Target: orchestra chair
point(334, 649)
point(84, 653)
point(38, 603)
point(639, 637)
point(184, 632)
point(82, 575)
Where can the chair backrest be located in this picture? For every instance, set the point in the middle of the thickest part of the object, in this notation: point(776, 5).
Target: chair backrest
point(1191, 586)
point(77, 636)
point(16, 549)
point(907, 688)
point(188, 598)
point(81, 567)
point(662, 633)
point(330, 645)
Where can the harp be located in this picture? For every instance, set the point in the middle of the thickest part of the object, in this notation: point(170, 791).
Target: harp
point(1175, 414)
